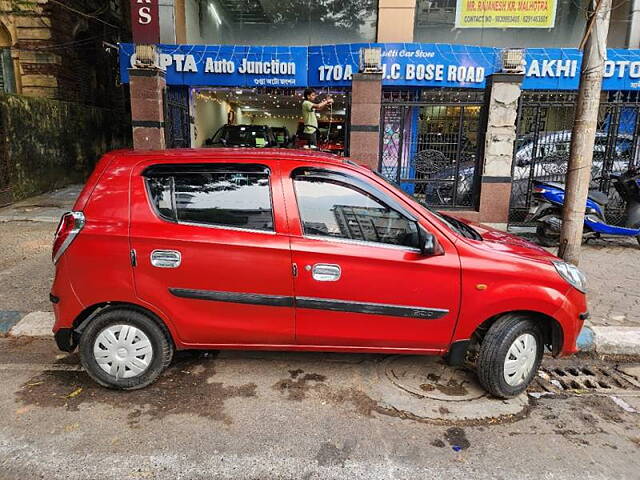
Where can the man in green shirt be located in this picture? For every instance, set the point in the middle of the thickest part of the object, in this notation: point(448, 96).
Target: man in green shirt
point(309, 107)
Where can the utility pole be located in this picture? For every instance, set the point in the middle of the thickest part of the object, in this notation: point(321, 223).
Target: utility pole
point(594, 51)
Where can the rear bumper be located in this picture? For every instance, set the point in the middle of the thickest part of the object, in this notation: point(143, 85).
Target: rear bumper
point(65, 339)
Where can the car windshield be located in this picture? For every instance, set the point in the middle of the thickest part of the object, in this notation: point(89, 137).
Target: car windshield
point(335, 131)
point(243, 136)
point(454, 224)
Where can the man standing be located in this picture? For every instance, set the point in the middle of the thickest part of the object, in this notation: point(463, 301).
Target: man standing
point(309, 107)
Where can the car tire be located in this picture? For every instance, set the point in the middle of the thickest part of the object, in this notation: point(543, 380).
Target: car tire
point(138, 347)
point(514, 338)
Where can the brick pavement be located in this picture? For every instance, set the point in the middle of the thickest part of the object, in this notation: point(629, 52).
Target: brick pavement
point(612, 268)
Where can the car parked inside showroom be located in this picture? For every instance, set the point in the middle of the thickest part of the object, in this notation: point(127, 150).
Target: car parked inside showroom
point(247, 136)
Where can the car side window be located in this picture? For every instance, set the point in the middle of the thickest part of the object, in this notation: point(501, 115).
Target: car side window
point(330, 208)
point(228, 197)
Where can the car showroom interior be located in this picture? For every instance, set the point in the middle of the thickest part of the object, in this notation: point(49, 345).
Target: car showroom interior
point(278, 110)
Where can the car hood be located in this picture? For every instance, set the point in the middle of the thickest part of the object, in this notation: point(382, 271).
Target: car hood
point(499, 241)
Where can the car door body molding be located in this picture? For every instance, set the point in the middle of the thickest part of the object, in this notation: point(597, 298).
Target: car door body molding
point(234, 297)
point(313, 303)
point(371, 308)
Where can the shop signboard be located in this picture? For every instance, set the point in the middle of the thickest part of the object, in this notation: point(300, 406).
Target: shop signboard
point(226, 65)
point(404, 65)
point(559, 69)
point(145, 21)
point(506, 13)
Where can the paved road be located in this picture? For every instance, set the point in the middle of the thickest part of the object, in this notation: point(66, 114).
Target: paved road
point(274, 415)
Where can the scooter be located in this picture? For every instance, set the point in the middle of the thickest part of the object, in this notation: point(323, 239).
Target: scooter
point(547, 210)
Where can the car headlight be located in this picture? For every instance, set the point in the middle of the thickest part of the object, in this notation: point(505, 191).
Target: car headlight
point(572, 275)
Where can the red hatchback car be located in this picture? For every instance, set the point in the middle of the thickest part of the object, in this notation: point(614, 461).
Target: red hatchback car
point(292, 250)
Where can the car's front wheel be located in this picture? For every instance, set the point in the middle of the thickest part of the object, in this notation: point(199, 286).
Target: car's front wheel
point(510, 355)
point(124, 349)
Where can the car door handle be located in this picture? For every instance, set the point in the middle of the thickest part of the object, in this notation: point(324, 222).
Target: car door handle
point(166, 258)
point(325, 272)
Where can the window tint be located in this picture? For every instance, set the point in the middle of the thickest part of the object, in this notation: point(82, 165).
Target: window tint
point(239, 199)
point(334, 209)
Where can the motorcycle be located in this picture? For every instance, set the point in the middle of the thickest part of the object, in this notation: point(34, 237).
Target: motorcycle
point(547, 211)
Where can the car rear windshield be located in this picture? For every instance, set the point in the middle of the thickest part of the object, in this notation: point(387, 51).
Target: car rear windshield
point(227, 196)
point(243, 136)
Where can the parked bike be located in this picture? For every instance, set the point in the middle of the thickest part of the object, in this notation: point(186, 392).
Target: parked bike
point(547, 210)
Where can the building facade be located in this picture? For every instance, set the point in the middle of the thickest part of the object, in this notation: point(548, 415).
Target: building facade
point(445, 119)
point(61, 106)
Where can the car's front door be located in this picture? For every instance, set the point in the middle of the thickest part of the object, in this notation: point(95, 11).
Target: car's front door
point(361, 281)
point(210, 254)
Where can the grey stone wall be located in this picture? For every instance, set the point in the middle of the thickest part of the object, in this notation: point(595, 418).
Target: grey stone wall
point(501, 129)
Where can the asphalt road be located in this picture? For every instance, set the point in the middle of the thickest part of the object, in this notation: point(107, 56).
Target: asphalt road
point(26, 270)
point(263, 415)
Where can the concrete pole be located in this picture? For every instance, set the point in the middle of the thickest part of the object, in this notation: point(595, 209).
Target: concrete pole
point(633, 36)
point(584, 130)
point(181, 21)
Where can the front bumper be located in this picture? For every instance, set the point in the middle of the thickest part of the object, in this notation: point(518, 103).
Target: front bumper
point(571, 317)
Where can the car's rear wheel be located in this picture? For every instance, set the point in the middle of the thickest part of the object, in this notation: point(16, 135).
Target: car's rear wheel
point(510, 355)
point(124, 349)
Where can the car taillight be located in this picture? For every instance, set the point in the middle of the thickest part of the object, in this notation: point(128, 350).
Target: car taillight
point(539, 189)
point(70, 225)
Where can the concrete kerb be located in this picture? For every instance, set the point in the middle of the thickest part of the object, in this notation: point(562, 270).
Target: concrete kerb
point(601, 340)
point(610, 340)
point(34, 324)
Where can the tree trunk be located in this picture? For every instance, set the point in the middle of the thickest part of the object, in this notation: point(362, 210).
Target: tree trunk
point(584, 131)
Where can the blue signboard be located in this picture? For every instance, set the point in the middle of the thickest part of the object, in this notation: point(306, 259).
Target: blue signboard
point(227, 65)
point(404, 65)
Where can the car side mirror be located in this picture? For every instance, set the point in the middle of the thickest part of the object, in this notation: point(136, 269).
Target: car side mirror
point(429, 245)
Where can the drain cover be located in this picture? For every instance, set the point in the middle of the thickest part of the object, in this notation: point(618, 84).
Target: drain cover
point(595, 378)
point(424, 377)
point(424, 387)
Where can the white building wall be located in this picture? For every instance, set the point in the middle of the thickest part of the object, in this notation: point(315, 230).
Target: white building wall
point(167, 21)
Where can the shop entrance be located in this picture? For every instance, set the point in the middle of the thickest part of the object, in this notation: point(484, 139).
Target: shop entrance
point(429, 143)
point(177, 123)
point(265, 117)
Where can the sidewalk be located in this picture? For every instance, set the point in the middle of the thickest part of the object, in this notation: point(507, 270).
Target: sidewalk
point(26, 274)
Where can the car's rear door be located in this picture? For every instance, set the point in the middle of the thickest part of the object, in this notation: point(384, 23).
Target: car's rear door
point(360, 280)
point(210, 253)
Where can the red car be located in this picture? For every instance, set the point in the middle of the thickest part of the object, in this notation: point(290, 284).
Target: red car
point(292, 250)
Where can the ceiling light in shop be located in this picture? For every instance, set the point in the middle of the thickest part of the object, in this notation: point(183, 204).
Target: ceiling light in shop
point(214, 12)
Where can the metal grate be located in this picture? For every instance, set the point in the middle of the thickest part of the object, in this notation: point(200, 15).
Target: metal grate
point(592, 378)
point(177, 117)
point(429, 143)
point(541, 152)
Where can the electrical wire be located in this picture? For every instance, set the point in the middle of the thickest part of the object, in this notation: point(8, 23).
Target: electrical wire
point(87, 15)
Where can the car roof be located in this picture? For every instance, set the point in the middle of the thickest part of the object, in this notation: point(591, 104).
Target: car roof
point(228, 154)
